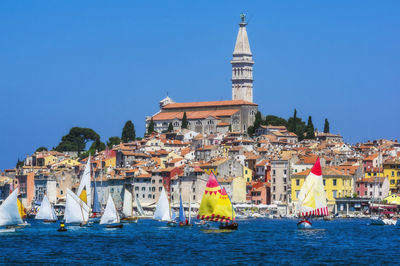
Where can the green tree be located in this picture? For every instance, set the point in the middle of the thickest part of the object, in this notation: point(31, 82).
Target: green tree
point(19, 163)
point(292, 122)
point(250, 130)
point(310, 129)
point(230, 128)
point(184, 121)
point(170, 127)
point(113, 141)
point(150, 128)
point(77, 138)
point(326, 126)
point(128, 132)
point(275, 121)
point(42, 148)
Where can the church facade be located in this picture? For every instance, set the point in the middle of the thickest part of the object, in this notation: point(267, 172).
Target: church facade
point(217, 116)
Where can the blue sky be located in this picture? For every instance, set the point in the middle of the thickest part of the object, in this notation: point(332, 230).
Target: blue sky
point(98, 64)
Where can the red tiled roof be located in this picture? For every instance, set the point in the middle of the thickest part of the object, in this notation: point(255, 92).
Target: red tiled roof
point(208, 104)
point(194, 114)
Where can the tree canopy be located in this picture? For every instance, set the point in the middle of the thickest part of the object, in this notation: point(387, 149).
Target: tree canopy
point(185, 122)
point(275, 121)
point(77, 138)
point(150, 128)
point(42, 148)
point(326, 126)
point(170, 127)
point(310, 129)
point(297, 125)
point(128, 132)
point(113, 141)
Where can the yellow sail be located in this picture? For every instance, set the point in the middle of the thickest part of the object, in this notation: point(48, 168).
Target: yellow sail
point(224, 210)
point(210, 199)
point(83, 196)
point(21, 209)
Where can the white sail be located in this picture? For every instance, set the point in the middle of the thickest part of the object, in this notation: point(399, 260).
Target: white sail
point(139, 206)
point(9, 213)
point(110, 215)
point(85, 184)
point(127, 208)
point(46, 211)
point(162, 210)
point(76, 211)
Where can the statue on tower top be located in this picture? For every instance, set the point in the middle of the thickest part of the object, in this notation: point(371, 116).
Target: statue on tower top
point(243, 17)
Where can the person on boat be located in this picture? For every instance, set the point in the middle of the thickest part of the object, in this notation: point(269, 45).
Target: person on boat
point(187, 222)
point(62, 227)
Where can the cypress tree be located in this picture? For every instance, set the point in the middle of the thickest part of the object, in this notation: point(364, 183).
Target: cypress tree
point(326, 126)
point(292, 125)
point(170, 127)
point(128, 132)
point(310, 129)
point(150, 129)
point(184, 121)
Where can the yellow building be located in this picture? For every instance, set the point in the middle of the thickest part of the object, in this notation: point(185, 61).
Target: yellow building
point(49, 160)
point(247, 174)
point(336, 184)
point(391, 169)
point(374, 172)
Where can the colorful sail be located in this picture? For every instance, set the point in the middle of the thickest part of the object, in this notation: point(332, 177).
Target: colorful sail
point(162, 211)
point(84, 190)
point(21, 209)
point(224, 209)
point(110, 215)
point(312, 198)
point(210, 199)
point(9, 211)
point(182, 218)
point(46, 211)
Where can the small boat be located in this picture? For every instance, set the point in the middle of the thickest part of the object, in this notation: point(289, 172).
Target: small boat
point(110, 216)
point(182, 219)
point(46, 212)
point(216, 206)
point(383, 221)
point(163, 210)
point(312, 198)
point(10, 216)
point(127, 209)
point(76, 211)
point(96, 210)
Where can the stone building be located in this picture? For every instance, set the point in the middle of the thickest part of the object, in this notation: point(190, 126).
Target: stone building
point(217, 116)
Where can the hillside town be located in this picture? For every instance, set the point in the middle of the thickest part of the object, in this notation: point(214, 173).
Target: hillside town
point(263, 173)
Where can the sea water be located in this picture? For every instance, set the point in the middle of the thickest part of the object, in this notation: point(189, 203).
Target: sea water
point(257, 241)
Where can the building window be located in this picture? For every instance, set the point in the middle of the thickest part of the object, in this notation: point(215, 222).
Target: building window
point(273, 172)
point(365, 193)
point(273, 188)
point(160, 189)
point(194, 189)
point(143, 189)
point(143, 196)
point(392, 173)
point(297, 183)
point(392, 182)
point(284, 172)
point(284, 188)
point(136, 188)
point(297, 194)
point(284, 180)
point(334, 182)
point(245, 171)
point(370, 193)
point(61, 192)
point(149, 196)
point(334, 193)
point(194, 197)
point(323, 180)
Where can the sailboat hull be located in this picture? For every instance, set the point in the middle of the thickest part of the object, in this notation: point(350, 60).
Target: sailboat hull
point(304, 224)
point(129, 219)
point(232, 226)
point(114, 226)
point(49, 221)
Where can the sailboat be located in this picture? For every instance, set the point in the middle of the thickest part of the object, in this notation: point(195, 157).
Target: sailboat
point(127, 208)
point(139, 208)
point(46, 212)
point(312, 198)
point(163, 211)
point(76, 210)
point(96, 203)
point(9, 211)
point(216, 206)
point(84, 190)
point(182, 218)
point(110, 216)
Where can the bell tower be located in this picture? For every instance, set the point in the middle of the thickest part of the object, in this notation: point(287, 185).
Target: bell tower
point(242, 66)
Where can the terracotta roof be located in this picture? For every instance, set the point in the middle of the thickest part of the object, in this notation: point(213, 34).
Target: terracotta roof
point(208, 104)
point(326, 171)
point(191, 115)
point(223, 124)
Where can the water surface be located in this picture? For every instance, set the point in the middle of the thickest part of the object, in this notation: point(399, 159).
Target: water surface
point(258, 241)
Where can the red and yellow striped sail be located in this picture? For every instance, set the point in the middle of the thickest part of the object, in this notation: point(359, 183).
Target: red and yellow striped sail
point(215, 204)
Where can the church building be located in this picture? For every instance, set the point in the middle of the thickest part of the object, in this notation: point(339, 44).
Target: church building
point(217, 116)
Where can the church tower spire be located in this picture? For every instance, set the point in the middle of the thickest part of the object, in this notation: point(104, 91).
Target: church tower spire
point(242, 66)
